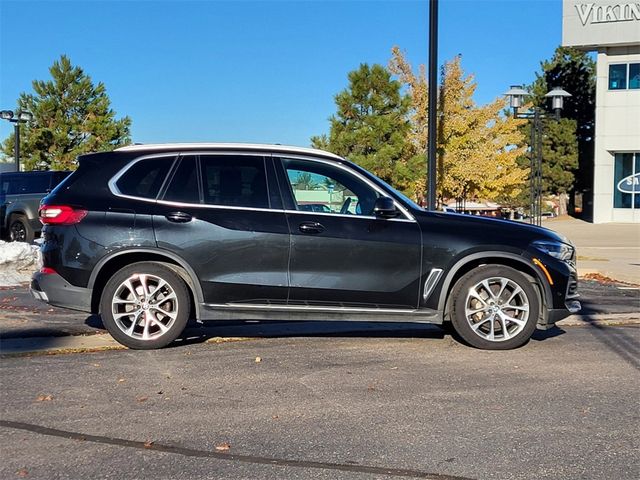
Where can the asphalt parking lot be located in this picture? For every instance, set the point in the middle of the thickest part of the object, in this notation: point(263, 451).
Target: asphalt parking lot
point(323, 400)
point(331, 406)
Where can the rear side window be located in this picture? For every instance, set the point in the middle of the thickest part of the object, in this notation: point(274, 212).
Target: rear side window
point(183, 187)
point(145, 177)
point(37, 183)
point(234, 180)
point(21, 184)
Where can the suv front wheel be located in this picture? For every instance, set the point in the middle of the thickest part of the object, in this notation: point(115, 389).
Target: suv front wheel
point(145, 306)
point(495, 307)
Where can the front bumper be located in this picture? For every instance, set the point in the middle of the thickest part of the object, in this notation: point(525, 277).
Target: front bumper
point(55, 290)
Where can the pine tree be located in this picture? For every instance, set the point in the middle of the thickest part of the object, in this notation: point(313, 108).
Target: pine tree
point(568, 145)
point(71, 116)
point(370, 126)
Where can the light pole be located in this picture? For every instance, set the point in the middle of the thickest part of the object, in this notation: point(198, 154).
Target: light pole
point(17, 119)
point(433, 104)
point(516, 96)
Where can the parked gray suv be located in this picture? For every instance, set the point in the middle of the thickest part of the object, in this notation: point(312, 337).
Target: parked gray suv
point(20, 195)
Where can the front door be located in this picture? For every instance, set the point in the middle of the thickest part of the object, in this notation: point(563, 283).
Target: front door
point(341, 254)
point(220, 215)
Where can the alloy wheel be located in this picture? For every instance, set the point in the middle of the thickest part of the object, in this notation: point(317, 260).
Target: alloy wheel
point(144, 306)
point(497, 309)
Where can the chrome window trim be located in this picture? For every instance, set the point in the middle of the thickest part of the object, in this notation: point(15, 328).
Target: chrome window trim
point(354, 173)
point(112, 184)
point(342, 215)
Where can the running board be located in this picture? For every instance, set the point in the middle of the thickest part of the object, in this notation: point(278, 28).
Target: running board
point(210, 311)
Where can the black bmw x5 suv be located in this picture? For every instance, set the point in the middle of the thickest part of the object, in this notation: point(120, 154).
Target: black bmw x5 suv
point(149, 236)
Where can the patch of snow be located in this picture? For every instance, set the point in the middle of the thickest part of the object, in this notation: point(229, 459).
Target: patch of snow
point(18, 261)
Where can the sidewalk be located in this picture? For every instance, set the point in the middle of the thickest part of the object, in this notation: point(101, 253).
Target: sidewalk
point(611, 249)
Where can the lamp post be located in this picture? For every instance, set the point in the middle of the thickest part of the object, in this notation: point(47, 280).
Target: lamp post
point(17, 119)
point(433, 105)
point(516, 96)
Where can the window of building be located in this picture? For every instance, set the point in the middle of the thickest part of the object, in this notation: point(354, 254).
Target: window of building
point(145, 177)
point(626, 180)
point(624, 76)
point(634, 75)
point(234, 180)
point(618, 77)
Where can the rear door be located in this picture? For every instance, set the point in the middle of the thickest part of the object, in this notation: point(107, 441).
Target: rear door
point(222, 213)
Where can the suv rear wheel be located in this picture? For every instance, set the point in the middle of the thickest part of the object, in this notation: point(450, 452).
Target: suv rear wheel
point(145, 305)
point(20, 230)
point(495, 307)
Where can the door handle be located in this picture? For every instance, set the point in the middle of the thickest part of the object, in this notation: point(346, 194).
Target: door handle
point(178, 217)
point(311, 227)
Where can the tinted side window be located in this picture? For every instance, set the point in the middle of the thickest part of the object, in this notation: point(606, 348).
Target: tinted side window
point(234, 180)
point(145, 177)
point(5, 184)
point(13, 184)
point(184, 184)
point(318, 187)
point(36, 183)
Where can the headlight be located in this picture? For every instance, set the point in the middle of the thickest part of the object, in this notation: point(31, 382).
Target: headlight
point(559, 250)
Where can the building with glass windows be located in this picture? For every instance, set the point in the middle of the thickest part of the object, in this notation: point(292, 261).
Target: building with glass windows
point(612, 29)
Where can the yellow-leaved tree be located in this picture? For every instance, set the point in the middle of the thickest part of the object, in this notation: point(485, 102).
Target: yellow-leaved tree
point(477, 145)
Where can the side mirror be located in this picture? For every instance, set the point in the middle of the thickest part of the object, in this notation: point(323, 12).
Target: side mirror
point(385, 208)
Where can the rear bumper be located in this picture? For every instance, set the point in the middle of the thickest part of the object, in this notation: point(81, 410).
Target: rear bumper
point(55, 290)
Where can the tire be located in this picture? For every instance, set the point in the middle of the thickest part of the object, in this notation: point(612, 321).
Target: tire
point(145, 306)
point(494, 307)
point(20, 229)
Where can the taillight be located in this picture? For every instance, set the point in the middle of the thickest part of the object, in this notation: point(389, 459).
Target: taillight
point(61, 215)
point(47, 271)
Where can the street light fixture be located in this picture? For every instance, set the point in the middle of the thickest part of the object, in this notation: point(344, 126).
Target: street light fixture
point(17, 119)
point(516, 96)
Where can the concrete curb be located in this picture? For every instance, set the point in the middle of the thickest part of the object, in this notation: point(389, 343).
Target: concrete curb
point(18, 347)
point(600, 319)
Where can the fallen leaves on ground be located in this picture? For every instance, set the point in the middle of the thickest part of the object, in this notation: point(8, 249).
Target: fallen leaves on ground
point(142, 399)
point(22, 472)
point(121, 380)
point(223, 447)
point(148, 444)
point(44, 398)
point(604, 279)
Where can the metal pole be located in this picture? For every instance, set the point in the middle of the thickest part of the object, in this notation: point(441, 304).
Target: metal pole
point(433, 103)
point(532, 173)
point(539, 174)
point(16, 145)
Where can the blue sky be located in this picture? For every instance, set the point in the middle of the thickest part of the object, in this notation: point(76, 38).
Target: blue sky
point(258, 71)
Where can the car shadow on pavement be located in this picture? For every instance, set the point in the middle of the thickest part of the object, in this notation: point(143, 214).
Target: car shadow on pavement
point(540, 335)
point(624, 342)
point(283, 329)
